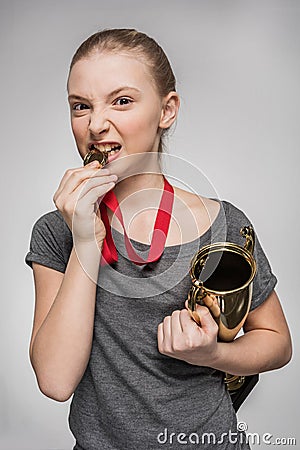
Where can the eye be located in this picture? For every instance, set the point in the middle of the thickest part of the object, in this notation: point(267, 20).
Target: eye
point(79, 107)
point(122, 101)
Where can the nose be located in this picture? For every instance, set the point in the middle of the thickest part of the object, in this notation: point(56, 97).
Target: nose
point(99, 123)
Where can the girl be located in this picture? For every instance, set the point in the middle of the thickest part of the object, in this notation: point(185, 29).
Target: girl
point(110, 323)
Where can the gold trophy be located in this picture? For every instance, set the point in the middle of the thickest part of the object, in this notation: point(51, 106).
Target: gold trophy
point(222, 275)
point(96, 155)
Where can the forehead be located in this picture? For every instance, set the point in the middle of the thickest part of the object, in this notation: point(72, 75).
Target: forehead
point(106, 72)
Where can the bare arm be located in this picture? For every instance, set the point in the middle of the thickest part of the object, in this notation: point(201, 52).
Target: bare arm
point(63, 327)
point(266, 344)
point(65, 303)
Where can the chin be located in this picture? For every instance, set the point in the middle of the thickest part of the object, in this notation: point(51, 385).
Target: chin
point(135, 164)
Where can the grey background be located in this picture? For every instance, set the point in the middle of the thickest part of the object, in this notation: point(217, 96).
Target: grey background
point(237, 65)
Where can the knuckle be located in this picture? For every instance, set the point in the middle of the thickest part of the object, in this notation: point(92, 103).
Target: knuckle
point(68, 172)
point(58, 202)
point(167, 350)
point(99, 190)
point(68, 207)
point(105, 179)
point(203, 310)
point(55, 200)
point(191, 343)
point(174, 348)
point(184, 314)
point(166, 320)
point(102, 188)
point(75, 175)
point(215, 328)
point(177, 346)
point(161, 348)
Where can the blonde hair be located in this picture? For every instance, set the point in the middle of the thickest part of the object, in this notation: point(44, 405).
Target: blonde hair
point(146, 48)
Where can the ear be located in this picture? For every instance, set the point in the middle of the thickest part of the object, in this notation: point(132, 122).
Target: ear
point(170, 109)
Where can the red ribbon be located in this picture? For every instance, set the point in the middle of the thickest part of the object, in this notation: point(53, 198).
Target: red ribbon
point(160, 232)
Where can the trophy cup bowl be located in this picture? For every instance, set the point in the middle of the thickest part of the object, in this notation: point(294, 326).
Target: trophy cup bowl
point(222, 274)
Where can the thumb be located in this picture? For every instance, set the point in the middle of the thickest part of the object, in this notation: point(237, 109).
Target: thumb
point(194, 314)
point(208, 324)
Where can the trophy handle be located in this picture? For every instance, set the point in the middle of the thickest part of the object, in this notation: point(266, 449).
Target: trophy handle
point(248, 234)
point(201, 296)
point(196, 294)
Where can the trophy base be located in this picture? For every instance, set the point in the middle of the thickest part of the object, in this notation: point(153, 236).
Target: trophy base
point(239, 395)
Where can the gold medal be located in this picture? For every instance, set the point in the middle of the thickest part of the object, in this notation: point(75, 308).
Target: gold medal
point(96, 155)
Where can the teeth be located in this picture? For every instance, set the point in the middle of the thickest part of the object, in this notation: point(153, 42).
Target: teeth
point(107, 148)
point(99, 147)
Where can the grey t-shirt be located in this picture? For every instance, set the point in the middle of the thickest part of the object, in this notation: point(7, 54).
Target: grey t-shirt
point(131, 396)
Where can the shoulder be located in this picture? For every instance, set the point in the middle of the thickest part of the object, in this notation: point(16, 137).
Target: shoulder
point(50, 220)
point(51, 242)
point(51, 227)
point(236, 219)
point(232, 211)
point(209, 206)
point(204, 210)
point(196, 202)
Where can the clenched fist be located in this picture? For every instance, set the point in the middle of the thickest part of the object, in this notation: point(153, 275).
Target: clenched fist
point(180, 337)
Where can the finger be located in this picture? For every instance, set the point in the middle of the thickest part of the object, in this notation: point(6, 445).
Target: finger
point(74, 177)
point(187, 322)
point(93, 194)
point(212, 303)
point(176, 328)
point(68, 173)
point(193, 314)
point(208, 324)
point(166, 325)
point(160, 337)
point(95, 182)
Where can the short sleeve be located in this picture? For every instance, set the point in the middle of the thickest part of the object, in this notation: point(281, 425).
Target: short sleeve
point(264, 281)
point(50, 243)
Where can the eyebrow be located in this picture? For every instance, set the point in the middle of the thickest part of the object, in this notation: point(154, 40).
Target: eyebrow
point(109, 96)
point(122, 88)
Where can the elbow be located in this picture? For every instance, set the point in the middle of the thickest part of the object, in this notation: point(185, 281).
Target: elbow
point(57, 396)
point(285, 356)
point(55, 391)
point(56, 387)
point(287, 353)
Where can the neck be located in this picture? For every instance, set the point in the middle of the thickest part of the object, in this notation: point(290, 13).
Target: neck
point(137, 183)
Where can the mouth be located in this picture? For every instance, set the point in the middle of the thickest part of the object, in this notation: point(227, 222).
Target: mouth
point(109, 148)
